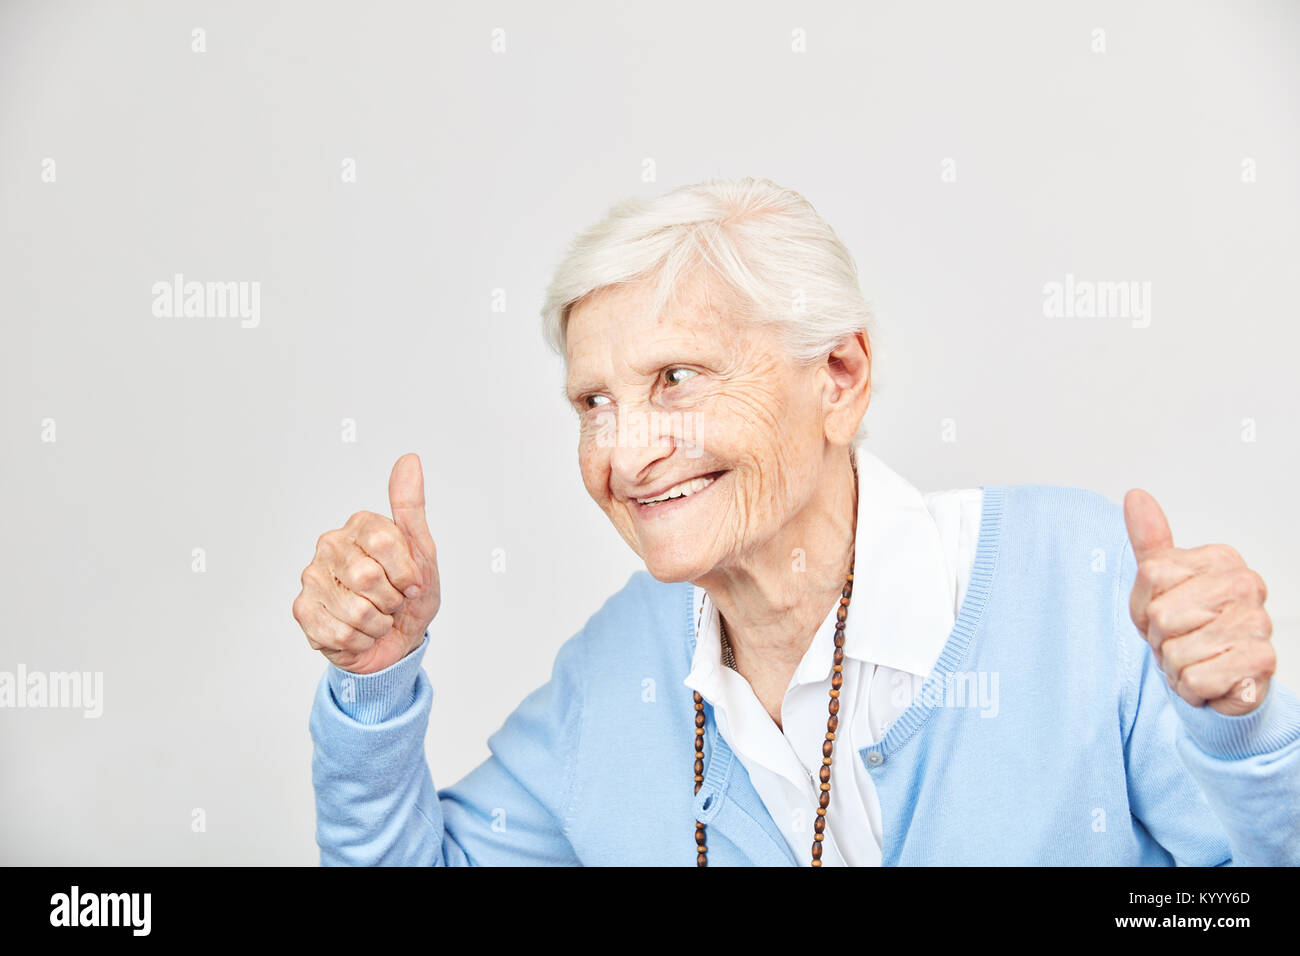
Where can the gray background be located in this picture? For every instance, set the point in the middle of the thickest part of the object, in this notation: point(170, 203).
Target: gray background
point(474, 169)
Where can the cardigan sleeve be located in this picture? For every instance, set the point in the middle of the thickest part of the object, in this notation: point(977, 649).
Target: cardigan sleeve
point(376, 803)
point(1182, 761)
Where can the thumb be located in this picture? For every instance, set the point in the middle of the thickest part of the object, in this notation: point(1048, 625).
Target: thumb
point(406, 498)
point(1148, 528)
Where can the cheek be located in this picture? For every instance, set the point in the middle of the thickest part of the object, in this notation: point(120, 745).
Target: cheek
point(798, 396)
point(781, 467)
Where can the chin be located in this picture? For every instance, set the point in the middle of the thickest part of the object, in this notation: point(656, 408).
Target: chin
point(669, 568)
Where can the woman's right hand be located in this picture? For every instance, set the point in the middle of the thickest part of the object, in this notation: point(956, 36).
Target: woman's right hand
point(371, 590)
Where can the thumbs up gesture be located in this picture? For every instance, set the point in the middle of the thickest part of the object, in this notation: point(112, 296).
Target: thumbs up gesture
point(1202, 612)
point(372, 587)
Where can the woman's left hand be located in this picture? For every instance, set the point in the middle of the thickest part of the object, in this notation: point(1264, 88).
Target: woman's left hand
point(1202, 612)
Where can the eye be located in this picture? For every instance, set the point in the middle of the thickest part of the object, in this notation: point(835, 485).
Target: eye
point(677, 375)
point(595, 401)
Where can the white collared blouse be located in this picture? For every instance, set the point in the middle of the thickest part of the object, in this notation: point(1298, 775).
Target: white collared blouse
point(913, 559)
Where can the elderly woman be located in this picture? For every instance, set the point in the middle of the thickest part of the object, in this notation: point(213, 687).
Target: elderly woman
point(840, 669)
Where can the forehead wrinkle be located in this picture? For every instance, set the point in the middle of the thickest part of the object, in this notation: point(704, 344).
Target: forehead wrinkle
point(691, 323)
point(681, 343)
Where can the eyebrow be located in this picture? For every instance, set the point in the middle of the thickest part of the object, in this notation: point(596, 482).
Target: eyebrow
point(571, 392)
point(655, 363)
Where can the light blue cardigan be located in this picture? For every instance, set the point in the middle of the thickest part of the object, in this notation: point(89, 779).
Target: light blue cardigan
point(1089, 758)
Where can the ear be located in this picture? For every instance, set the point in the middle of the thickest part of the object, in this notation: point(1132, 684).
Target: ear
point(848, 391)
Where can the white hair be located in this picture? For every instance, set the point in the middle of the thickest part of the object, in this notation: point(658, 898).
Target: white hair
point(783, 263)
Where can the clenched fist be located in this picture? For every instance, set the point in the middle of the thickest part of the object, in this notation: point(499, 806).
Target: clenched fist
point(372, 588)
point(1202, 612)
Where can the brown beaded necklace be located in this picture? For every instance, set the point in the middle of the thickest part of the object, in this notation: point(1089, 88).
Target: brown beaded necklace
point(828, 746)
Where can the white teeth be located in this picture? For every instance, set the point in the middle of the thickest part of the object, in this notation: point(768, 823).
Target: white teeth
point(679, 491)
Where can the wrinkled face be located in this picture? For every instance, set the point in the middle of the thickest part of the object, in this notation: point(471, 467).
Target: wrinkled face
point(698, 405)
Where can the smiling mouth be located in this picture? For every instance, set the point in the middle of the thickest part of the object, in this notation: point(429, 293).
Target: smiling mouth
point(680, 490)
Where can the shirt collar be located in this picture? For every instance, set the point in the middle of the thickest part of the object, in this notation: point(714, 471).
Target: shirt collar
point(904, 589)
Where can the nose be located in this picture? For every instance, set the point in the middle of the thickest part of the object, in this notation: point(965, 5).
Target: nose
point(640, 443)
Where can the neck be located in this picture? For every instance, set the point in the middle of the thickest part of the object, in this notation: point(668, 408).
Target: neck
point(775, 598)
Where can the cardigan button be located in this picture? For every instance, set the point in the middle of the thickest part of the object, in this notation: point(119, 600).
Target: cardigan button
point(875, 758)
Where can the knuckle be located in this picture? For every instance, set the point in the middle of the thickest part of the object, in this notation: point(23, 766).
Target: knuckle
point(1254, 588)
point(1261, 624)
point(405, 575)
point(354, 612)
point(1242, 585)
point(339, 634)
point(364, 616)
point(365, 574)
point(1267, 665)
point(1196, 682)
point(313, 580)
point(388, 603)
point(325, 543)
point(377, 537)
point(309, 577)
point(1226, 553)
point(1161, 615)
